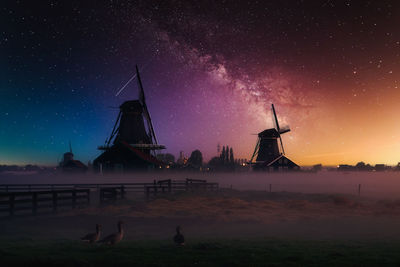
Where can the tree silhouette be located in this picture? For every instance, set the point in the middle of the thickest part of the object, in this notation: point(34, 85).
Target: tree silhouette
point(226, 161)
point(167, 158)
point(223, 155)
point(196, 159)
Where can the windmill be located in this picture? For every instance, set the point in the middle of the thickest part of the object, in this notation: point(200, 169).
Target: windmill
point(267, 152)
point(69, 164)
point(132, 143)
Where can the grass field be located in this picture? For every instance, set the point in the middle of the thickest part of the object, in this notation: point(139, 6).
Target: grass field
point(227, 228)
point(259, 252)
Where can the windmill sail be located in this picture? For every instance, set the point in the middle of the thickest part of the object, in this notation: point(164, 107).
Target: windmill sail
point(142, 99)
point(278, 129)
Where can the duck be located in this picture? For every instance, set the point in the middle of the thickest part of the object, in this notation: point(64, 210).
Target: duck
point(115, 237)
point(179, 239)
point(93, 237)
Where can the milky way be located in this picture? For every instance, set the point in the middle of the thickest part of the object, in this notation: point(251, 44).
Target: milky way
point(210, 72)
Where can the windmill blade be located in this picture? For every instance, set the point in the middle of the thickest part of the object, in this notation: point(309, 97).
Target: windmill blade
point(142, 99)
point(114, 130)
point(283, 150)
point(276, 119)
point(255, 150)
point(284, 130)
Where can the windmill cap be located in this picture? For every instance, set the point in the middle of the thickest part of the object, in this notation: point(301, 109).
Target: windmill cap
point(132, 106)
point(269, 133)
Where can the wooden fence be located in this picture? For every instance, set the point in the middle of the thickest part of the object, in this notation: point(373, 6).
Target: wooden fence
point(159, 186)
point(12, 202)
point(112, 193)
point(108, 191)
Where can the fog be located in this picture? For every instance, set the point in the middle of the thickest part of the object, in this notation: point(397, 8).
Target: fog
point(373, 184)
point(323, 205)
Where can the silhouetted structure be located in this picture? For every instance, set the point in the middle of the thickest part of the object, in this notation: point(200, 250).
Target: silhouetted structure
point(195, 161)
point(167, 158)
point(267, 153)
point(317, 167)
point(380, 167)
point(182, 160)
point(225, 161)
point(132, 144)
point(397, 168)
point(69, 164)
point(361, 166)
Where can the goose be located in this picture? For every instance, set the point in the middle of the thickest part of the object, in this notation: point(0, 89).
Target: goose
point(179, 239)
point(93, 237)
point(114, 238)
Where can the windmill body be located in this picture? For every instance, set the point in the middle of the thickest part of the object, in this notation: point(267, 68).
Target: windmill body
point(71, 165)
point(132, 143)
point(268, 155)
point(131, 127)
point(268, 147)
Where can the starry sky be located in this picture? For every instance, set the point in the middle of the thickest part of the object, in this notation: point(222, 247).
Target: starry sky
point(210, 70)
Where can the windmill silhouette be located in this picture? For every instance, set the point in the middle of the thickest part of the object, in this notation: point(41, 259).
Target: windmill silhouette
point(69, 164)
point(267, 153)
point(132, 143)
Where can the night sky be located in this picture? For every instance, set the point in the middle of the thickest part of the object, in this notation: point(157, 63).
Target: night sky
point(210, 70)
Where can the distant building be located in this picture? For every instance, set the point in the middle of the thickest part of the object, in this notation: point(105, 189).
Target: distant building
point(281, 163)
point(380, 167)
point(69, 164)
point(182, 160)
point(345, 167)
point(317, 167)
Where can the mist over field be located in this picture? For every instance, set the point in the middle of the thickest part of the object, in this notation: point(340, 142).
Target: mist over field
point(316, 214)
point(373, 184)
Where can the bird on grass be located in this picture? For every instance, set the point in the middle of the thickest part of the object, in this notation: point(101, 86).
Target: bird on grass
point(93, 237)
point(179, 239)
point(114, 238)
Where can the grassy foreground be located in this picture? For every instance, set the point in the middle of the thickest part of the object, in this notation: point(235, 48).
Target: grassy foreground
point(265, 252)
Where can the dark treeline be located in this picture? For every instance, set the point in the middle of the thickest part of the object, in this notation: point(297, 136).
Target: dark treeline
point(225, 161)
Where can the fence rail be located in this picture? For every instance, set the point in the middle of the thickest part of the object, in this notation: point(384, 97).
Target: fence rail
point(32, 197)
point(11, 202)
point(166, 185)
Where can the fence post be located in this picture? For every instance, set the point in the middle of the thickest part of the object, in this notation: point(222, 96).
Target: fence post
point(54, 201)
point(73, 198)
point(88, 196)
point(12, 204)
point(270, 188)
point(122, 191)
point(34, 203)
point(114, 194)
point(359, 189)
point(170, 186)
point(155, 187)
point(101, 195)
